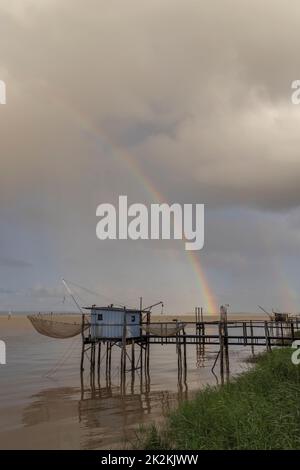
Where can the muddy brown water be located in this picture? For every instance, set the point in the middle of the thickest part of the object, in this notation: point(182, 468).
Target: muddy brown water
point(44, 406)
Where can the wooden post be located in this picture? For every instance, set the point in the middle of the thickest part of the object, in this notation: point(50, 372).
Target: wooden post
point(109, 362)
point(132, 365)
point(99, 362)
point(141, 358)
point(147, 358)
point(252, 337)
point(267, 336)
point(292, 330)
point(92, 366)
point(184, 355)
point(148, 364)
point(221, 341)
point(132, 359)
point(245, 333)
point(225, 327)
point(106, 360)
point(91, 358)
point(83, 345)
point(203, 338)
point(271, 330)
point(179, 357)
point(94, 355)
point(99, 356)
point(123, 354)
point(110, 349)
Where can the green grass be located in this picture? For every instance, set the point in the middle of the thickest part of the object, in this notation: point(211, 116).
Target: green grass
point(260, 409)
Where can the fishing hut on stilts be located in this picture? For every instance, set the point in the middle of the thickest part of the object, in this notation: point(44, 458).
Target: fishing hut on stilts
point(115, 328)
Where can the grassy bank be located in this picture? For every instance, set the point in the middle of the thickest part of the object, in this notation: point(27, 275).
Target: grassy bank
point(260, 409)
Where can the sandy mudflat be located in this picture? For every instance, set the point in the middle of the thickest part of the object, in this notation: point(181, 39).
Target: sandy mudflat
point(9, 326)
point(18, 321)
point(15, 322)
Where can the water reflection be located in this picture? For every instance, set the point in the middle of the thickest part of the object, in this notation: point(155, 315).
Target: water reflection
point(103, 413)
point(97, 412)
point(43, 405)
point(107, 416)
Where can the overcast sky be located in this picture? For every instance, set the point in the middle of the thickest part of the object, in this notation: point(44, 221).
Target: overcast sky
point(190, 99)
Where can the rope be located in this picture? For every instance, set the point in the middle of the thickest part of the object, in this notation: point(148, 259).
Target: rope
point(97, 294)
point(63, 359)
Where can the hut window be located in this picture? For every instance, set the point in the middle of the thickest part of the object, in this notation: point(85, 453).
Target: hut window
point(100, 317)
point(132, 318)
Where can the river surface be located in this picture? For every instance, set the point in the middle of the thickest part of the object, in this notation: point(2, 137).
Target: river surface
point(44, 405)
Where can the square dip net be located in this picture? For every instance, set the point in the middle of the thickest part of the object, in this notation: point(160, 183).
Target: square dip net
point(55, 326)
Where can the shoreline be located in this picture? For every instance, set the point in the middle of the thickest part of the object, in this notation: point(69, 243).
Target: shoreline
point(240, 415)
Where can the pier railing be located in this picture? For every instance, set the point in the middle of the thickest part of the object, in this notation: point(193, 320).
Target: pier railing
point(135, 351)
point(237, 333)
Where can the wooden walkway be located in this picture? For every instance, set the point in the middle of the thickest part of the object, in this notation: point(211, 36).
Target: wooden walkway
point(236, 333)
point(135, 352)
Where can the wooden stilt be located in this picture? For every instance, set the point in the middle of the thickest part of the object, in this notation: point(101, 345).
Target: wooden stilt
point(92, 366)
point(179, 357)
point(226, 347)
point(148, 365)
point(132, 364)
point(123, 354)
point(99, 360)
point(267, 336)
point(132, 357)
point(203, 339)
point(221, 357)
point(292, 330)
point(83, 344)
point(252, 337)
point(184, 356)
point(107, 360)
point(141, 364)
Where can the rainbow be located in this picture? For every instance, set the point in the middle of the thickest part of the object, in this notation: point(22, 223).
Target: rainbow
point(211, 305)
point(210, 301)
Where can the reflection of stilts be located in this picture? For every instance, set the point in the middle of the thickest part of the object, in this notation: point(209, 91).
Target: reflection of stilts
point(100, 352)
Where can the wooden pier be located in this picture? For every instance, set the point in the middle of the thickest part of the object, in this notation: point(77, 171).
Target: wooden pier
point(223, 335)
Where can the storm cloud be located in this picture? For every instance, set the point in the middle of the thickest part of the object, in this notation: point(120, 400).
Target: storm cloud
point(193, 96)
